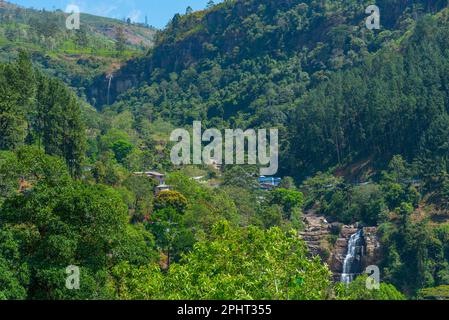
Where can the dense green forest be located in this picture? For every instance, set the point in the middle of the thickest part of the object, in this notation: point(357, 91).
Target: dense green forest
point(364, 140)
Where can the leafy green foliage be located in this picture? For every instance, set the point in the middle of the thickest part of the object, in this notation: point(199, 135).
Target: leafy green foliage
point(40, 110)
point(235, 263)
point(438, 293)
point(357, 290)
point(59, 222)
point(416, 254)
point(170, 199)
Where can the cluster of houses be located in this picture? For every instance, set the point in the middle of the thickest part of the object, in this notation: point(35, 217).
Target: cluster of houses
point(265, 183)
point(159, 177)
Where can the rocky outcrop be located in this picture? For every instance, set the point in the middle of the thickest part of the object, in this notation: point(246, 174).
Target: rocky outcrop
point(372, 254)
point(315, 234)
point(330, 242)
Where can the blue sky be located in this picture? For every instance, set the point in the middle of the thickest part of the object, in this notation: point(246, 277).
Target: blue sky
point(159, 12)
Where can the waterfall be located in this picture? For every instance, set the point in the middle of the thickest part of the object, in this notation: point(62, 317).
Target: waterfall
point(109, 86)
point(352, 263)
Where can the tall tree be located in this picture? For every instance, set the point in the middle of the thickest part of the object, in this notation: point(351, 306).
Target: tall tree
point(120, 40)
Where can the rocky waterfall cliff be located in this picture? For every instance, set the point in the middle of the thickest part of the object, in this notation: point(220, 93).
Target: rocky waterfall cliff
point(330, 242)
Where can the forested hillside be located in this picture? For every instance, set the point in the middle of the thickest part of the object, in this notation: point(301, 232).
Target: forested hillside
point(396, 102)
point(250, 64)
point(365, 105)
point(364, 143)
point(272, 50)
point(65, 203)
point(100, 45)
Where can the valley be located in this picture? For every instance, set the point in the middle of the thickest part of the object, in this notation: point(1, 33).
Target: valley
point(359, 158)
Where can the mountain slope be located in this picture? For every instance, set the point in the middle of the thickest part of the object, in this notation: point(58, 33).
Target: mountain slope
point(252, 64)
point(322, 35)
point(72, 55)
point(387, 106)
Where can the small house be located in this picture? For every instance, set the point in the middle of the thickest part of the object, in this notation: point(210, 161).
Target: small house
point(159, 177)
point(268, 183)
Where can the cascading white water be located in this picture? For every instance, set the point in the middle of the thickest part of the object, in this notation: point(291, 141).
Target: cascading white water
point(351, 264)
point(109, 86)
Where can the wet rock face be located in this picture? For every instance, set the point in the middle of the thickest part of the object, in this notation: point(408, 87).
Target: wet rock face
point(340, 250)
point(372, 254)
point(317, 236)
